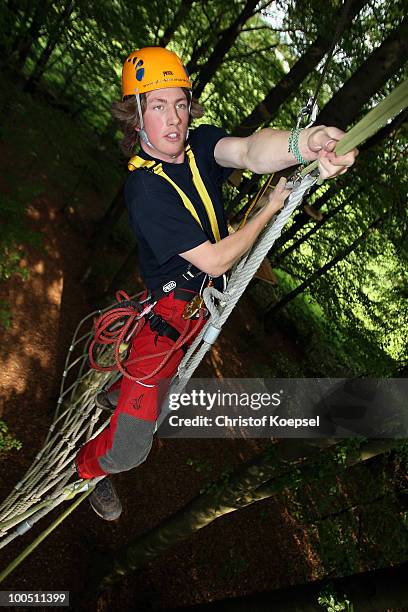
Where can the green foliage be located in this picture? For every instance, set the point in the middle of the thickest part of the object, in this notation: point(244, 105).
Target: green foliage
point(15, 236)
point(351, 316)
point(204, 467)
point(15, 233)
point(5, 315)
point(218, 486)
point(281, 365)
point(332, 602)
point(347, 451)
point(7, 441)
point(352, 516)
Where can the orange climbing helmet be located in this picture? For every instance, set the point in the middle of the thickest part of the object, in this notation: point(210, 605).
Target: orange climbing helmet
point(153, 68)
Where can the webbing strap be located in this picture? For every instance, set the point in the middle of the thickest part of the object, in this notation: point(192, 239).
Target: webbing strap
point(186, 200)
point(199, 185)
point(138, 162)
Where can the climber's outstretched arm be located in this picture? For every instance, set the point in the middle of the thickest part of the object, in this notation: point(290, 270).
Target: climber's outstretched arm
point(267, 151)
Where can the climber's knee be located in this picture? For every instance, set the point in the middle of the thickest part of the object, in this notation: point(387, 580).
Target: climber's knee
point(131, 444)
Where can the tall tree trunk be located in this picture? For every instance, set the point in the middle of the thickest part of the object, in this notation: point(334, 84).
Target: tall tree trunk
point(112, 214)
point(382, 589)
point(302, 219)
point(287, 86)
point(183, 11)
point(225, 496)
point(123, 274)
point(226, 40)
point(53, 39)
point(31, 35)
point(256, 480)
point(329, 215)
point(272, 308)
point(197, 53)
point(369, 78)
point(104, 228)
point(18, 31)
point(201, 45)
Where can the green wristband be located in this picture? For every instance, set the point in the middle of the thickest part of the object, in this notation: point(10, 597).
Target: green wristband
point(293, 145)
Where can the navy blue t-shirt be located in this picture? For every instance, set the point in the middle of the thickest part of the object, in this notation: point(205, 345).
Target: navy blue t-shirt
point(163, 227)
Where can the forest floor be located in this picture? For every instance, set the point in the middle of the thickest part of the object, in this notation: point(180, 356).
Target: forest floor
point(263, 547)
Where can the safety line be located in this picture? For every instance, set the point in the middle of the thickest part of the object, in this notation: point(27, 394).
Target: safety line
point(29, 549)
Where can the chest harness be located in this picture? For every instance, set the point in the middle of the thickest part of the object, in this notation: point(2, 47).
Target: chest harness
point(126, 318)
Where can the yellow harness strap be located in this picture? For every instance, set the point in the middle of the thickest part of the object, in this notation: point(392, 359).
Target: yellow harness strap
point(138, 162)
point(199, 185)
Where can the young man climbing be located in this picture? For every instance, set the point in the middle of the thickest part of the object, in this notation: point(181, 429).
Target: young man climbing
point(173, 194)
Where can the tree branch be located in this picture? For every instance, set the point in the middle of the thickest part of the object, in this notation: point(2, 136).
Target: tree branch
point(239, 56)
point(263, 27)
point(259, 9)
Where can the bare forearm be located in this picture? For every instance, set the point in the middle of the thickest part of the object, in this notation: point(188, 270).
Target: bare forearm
point(267, 150)
point(215, 259)
point(228, 250)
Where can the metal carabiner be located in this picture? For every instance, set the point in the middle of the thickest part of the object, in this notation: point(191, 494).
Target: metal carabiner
point(294, 180)
point(309, 110)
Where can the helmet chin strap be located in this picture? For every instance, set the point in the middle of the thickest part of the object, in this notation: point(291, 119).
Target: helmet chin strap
point(143, 133)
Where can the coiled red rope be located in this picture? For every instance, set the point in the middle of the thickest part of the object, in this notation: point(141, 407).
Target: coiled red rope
point(120, 324)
